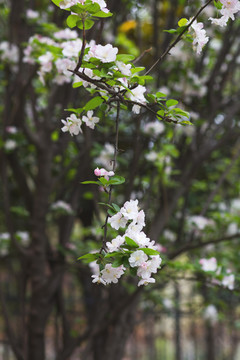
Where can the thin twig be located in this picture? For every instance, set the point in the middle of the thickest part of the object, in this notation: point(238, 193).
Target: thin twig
point(178, 38)
point(82, 49)
point(142, 55)
point(189, 247)
point(221, 179)
point(114, 164)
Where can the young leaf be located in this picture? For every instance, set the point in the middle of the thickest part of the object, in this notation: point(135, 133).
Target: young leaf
point(88, 24)
point(171, 102)
point(116, 180)
point(131, 242)
point(182, 22)
point(77, 84)
point(56, 2)
point(112, 254)
point(72, 20)
point(148, 251)
point(102, 14)
point(117, 262)
point(116, 207)
point(90, 182)
point(94, 103)
point(125, 57)
point(89, 257)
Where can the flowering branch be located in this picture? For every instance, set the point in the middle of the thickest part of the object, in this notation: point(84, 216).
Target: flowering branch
point(82, 49)
point(114, 164)
point(178, 38)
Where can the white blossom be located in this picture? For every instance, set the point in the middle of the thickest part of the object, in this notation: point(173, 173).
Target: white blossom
point(137, 94)
point(65, 34)
point(62, 205)
point(10, 145)
point(228, 281)
point(65, 4)
point(116, 221)
point(154, 128)
point(211, 314)
point(32, 14)
point(72, 124)
point(9, 52)
point(102, 4)
point(200, 38)
point(125, 69)
point(98, 279)
point(105, 53)
point(137, 258)
point(111, 274)
point(200, 221)
point(208, 264)
point(72, 48)
point(115, 243)
point(130, 210)
point(146, 281)
point(90, 120)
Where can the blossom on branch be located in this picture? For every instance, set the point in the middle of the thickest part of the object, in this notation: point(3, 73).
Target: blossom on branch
point(90, 120)
point(200, 38)
point(72, 124)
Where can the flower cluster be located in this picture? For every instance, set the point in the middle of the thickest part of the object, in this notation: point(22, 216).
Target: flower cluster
point(9, 52)
point(200, 38)
point(228, 10)
point(103, 172)
point(211, 265)
point(143, 256)
point(64, 58)
point(61, 205)
point(58, 56)
point(66, 4)
point(73, 124)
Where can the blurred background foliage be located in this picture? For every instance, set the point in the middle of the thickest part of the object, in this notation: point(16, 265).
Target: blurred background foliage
point(185, 177)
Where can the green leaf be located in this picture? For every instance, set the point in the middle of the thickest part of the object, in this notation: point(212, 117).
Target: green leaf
point(182, 22)
point(89, 257)
point(56, 2)
point(72, 20)
point(185, 122)
point(117, 262)
point(148, 251)
point(137, 69)
point(104, 204)
point(116, 180)
point(171, 31)
point(77, 84)
point(160, 94)
point(181, 112)
point(116, 207)
point(90, 182)
point(131, 242)
point(88, 24)
point(103, 181)
point(94, 103)
point(93, 8)
point(110, 212)
point(171, 102)
point(55, 135)
point(218, 5)
point(161, 113)
point(112, 254)
point(19, 210)
point(102, 14)
point(76, 111)
point(125, 57)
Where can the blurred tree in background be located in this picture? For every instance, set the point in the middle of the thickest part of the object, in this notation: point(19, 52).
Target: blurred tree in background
point(186, 178)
